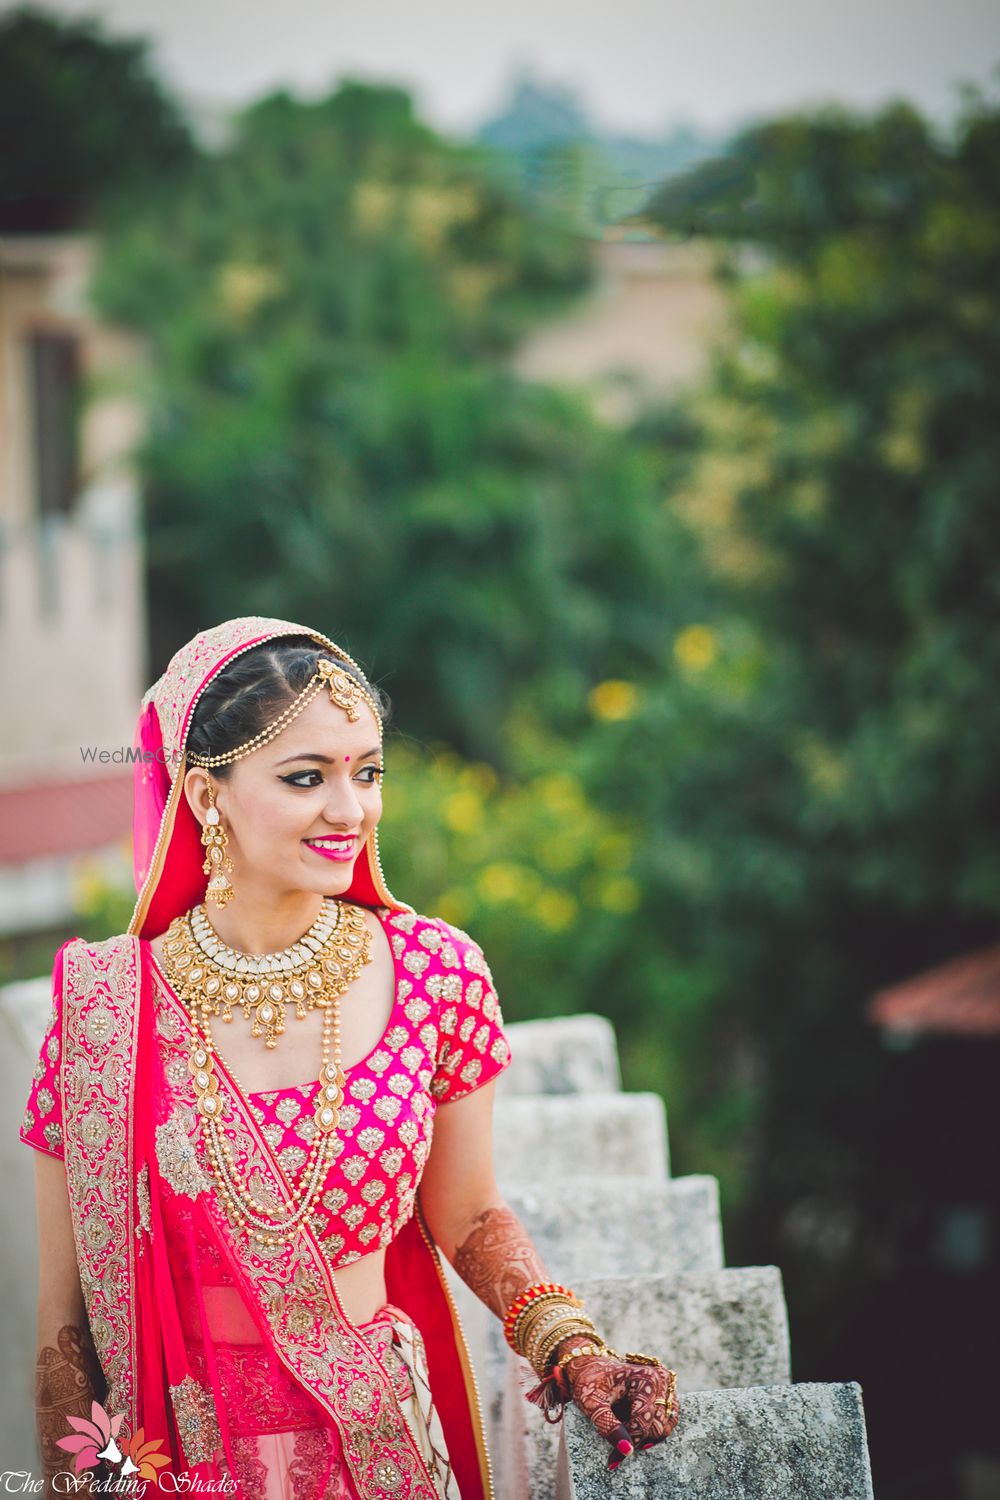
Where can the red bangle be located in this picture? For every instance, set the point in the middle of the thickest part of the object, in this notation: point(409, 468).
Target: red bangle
point(529, 1294)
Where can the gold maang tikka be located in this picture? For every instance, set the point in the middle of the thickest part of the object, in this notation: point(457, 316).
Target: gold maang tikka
point(345, 691)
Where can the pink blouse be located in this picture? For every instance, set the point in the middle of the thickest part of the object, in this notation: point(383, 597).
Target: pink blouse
point(444, 1039)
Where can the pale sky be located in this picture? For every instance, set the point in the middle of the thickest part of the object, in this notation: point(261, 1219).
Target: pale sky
point(641, 65)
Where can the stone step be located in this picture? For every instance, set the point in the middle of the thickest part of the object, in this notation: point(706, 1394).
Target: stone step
point(779, 1442)
point(561, 1055)
point(718, 1328)
point(548, 1137)
point(595, 1226)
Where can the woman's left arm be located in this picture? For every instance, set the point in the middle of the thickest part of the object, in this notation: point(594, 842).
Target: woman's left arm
point(489, 1247)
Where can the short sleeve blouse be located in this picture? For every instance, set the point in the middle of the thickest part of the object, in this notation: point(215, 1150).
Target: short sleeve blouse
point(472, 1047)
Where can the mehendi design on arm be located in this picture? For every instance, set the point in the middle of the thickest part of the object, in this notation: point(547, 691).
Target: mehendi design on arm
point(497, 1258)
point(68, 1379)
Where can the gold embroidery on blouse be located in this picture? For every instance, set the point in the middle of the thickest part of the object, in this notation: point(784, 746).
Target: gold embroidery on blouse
point(387, 1109)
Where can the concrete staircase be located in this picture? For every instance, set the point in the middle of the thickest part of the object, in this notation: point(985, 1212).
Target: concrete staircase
point(586, 1168)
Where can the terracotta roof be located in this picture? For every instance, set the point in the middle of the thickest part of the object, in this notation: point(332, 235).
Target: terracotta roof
point(64, 817)
point(959, 998)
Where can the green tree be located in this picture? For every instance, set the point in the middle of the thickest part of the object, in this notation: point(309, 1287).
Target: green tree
point(823, 795)
point(335, 436)
point(82, 120)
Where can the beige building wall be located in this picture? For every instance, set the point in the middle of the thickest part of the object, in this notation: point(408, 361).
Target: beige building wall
point(72, 631)
point(646, 327)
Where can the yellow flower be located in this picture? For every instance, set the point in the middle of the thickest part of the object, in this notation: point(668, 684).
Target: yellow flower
point(500, 881)
point(613, 699)
point(479, 777)
point(696, 647)
point(463, 812)
point(559, 791)
point(242, 288)
point(619, 893)
point(613, 851)
point(556, 909)
point(560, 851)
point(89, 883)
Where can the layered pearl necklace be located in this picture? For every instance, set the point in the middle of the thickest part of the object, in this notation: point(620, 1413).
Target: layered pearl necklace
point(209, 975)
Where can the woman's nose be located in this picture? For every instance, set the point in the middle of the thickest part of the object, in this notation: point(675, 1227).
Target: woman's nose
point(343, 807)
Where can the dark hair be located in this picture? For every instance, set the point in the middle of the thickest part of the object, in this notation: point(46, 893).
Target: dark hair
point(255, 688)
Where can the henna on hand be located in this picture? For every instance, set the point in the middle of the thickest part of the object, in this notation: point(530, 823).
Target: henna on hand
point(497, 1258)
point(68, 1380)
point(623, 1401)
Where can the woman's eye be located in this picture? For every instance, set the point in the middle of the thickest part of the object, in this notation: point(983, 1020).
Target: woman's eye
point(294, 778)
point(368, 780)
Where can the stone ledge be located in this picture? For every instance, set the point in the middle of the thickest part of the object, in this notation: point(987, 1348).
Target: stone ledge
point(725, 1328)
point(545, 1137)
point(561, 1055)
point(784, 1442)
point(594, 1226)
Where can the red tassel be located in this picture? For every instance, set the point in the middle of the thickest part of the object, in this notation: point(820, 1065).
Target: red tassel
point(552, 1395)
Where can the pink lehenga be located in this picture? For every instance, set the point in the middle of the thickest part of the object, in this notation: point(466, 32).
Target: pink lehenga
point(235, 1359)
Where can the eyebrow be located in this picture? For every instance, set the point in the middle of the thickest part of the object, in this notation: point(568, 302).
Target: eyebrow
point(326, 760)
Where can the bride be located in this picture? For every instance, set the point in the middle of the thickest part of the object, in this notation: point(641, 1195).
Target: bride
point(262, 1115)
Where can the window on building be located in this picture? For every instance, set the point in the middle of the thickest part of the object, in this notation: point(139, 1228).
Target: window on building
point(55, 387)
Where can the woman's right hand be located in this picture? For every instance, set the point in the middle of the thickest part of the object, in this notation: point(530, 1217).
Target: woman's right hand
point(631, 1405)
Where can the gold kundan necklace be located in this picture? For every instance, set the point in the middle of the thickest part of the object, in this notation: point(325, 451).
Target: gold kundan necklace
point(210, 976)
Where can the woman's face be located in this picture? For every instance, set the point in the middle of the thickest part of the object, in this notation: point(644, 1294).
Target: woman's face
point(315, 781)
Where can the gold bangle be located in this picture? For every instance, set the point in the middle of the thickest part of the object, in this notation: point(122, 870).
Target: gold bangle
point(546, 1347)
point(597, 1348)
point(554, 1318)
point(571, 1322)
point(527, 1317)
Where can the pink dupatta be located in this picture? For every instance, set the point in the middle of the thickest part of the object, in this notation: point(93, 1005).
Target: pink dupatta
point(239, 1358)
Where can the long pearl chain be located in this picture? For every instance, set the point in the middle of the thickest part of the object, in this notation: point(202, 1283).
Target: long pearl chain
point(243, 1207)
point(260, 1220)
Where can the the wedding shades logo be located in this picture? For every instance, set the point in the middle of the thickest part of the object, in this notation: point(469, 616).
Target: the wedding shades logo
point(96, 1438)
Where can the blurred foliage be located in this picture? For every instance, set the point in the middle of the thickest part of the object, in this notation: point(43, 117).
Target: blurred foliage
point(83, 120)
point(823, 797)
point(335, 436)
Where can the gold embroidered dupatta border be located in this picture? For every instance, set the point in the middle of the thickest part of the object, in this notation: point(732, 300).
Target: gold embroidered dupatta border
point(101, 984)
point(295, 1289)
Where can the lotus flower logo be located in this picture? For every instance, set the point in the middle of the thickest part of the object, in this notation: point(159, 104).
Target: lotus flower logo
point(95, 1438)
point(141, 1456)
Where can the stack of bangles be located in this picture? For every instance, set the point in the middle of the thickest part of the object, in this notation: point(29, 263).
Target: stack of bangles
point(541, 1318)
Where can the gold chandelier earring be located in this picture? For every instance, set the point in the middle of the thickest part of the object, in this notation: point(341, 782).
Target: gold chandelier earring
point(214, 839)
